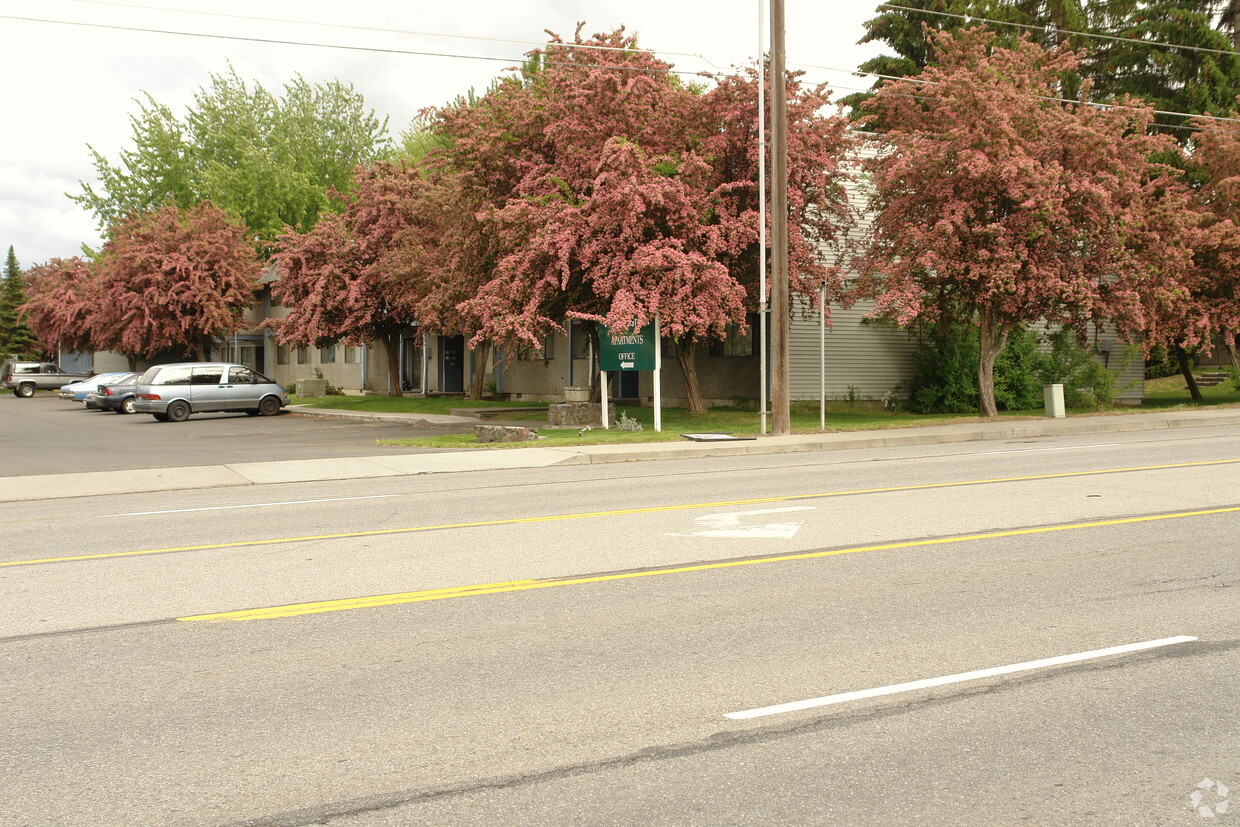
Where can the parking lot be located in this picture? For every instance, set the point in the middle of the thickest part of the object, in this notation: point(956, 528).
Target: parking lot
point(48, 435)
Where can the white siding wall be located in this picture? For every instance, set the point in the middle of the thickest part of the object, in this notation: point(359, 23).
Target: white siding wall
point(872, 357)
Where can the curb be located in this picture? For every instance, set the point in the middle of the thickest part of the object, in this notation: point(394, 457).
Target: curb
point(100, 483)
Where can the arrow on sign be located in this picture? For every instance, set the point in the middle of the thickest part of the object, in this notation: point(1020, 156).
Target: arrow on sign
point(624, 365)
point(729, 524)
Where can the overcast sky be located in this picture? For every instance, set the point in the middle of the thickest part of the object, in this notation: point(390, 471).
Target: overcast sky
point(67, 85)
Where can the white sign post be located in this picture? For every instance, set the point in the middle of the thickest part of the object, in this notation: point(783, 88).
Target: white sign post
point(658, 382)
point(602, 382)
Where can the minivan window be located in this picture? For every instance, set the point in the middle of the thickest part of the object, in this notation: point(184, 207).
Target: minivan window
point(175, 375)
point(209, 375)
point(242, 376)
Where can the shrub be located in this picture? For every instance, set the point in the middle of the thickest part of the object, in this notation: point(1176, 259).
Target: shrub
point(944, 370)
point(1161, 362)
point(1086, 382)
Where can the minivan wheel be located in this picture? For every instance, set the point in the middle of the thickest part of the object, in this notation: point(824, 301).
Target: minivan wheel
point(127, 407)
point(25, 391)
point(178, 411)
point(270, 406)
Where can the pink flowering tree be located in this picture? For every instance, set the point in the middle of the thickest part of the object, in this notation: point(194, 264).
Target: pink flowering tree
point(335, 280)
point(1216, 154)
point(61, 299)
point(173, 280)
point(995, 203)
point(612, 197)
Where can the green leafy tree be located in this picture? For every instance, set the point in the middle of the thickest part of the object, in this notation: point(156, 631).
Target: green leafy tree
point(16, 337)
point(268, 161)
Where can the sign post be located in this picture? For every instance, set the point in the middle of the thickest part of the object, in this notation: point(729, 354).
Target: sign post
point(631, 349)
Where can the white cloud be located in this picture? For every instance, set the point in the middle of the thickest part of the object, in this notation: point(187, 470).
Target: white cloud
point(68, 86)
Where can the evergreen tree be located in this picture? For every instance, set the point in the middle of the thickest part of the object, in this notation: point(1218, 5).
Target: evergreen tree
point(16, 339)
point(1130, 55)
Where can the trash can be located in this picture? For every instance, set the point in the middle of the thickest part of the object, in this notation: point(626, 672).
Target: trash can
point(1052, 397)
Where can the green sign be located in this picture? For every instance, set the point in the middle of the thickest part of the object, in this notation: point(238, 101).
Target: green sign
point(627, 349)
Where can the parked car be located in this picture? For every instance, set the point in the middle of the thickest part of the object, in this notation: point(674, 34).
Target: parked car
point(117, 397)
point(77, 390)
point(24, 378)
point(173, 392)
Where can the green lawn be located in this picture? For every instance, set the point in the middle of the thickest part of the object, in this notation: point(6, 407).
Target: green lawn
point(1172, 392)
point(1160, 394)
point(404, 404)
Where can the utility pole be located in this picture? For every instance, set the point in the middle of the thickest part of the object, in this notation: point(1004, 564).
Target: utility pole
point(781, 416)
point(762, 305)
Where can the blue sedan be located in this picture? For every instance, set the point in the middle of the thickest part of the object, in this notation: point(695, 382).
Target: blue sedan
point(115, 396)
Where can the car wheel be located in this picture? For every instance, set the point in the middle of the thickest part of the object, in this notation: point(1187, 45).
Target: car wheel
point(25, 391)
point(253, 412)
point(270, 406)
point(178, 411)
point(160, 417)
point(127, 406)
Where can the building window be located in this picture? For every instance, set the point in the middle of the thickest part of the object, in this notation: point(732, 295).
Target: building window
point(735, 343)
point(537, 354)
point(303, 355)
point(327, 355)
point(281, 354)
point(352, 355)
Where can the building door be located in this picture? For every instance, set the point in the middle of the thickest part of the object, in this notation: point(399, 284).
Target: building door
point(626, 384)
point(411, 363)
point(452, 363)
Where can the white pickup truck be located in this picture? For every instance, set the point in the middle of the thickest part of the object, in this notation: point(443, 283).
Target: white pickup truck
point(24, 378)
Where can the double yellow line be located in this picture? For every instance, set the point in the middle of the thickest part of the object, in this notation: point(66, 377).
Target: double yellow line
point(351, 603)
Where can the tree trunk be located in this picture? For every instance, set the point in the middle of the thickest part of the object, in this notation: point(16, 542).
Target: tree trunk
point(480, 370)
point(391, 346)
point(1230, 339)
point(992, 337)
point(1186, 368)
point(685, 353)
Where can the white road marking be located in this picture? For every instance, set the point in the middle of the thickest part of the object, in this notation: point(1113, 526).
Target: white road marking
point(249, 505)
point(1038, 450)
point(729, 525)
point(893, 689)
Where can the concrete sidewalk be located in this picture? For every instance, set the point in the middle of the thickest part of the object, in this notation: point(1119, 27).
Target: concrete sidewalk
point(58, 486)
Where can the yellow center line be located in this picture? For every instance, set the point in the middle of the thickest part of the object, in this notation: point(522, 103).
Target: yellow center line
point(613, 513)
point(348, 604)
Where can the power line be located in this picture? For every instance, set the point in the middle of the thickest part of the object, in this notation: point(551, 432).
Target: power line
point(910, 95)
point(349, 27)
point(972, 18)
point(376, 49)
point(1096, 104)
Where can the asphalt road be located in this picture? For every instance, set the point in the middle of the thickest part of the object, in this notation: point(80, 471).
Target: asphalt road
point(566, 645)
point(46, 434)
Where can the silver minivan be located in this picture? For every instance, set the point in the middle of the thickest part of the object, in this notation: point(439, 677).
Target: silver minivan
point(173, 392)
